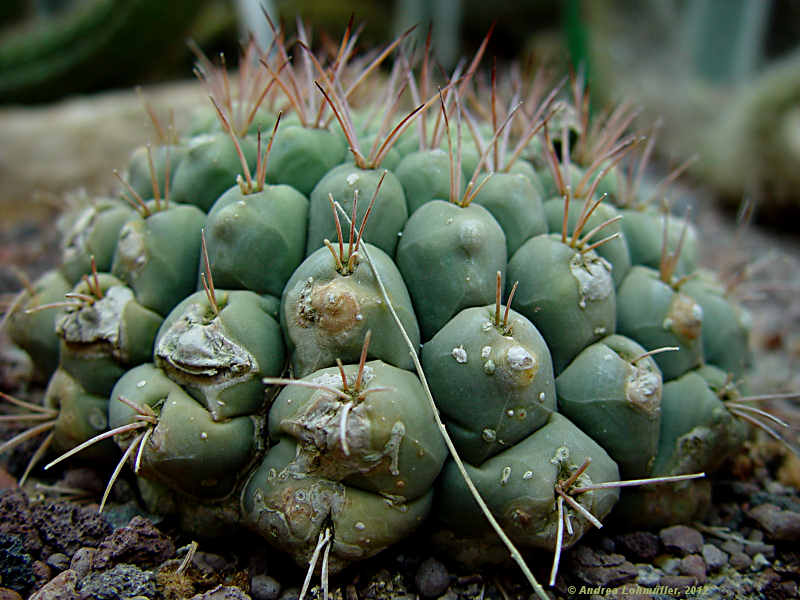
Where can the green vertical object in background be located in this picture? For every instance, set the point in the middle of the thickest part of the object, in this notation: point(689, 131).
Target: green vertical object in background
point(98, 44)
point(725, 38)
point(577, 35)
point(444, 15)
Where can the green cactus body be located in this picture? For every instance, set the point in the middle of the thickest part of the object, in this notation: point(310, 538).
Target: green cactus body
point(102, 339)
point(550, 186)
point(644, 233)
point(389, 213)
point(518, 485)
point(383, 440)
point(186, 450)
point(566, 293)
point(425, 176)
point(301, 156)
point(614, 251)
point(209, 168)
point(523, 167)
point(448, 256)
point(697, 435)
point(726, 324)
point(325, 313)
point(290, 510)
point(157, 256)
point(516, 205)
point(93, 234)
point(493, 384)
point(697, 431)
point(165, 156)
point(256, 241)
point(35, 332)
point(81, 416)
point(655, 315)
point(221, 358)
point(616, 399)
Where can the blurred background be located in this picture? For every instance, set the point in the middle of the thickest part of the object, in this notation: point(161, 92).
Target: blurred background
point(723, 75)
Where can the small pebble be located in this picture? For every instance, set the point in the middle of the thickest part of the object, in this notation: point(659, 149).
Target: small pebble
point(768, 550)
point(681, 539)
point(668, 564)
point(59, 561)
point(714, 558)
point(639, 546)
point(759, 562)
point(432, 578)
point(608, 545)
point(778, 524)
point(82, 561)
point(677, 581)
point(740, 561)
point(648, 576)
point(732, 546)
point(264, 587)
point(693, 566)
point(222, 592)
point(291, 593)
point(61, 587)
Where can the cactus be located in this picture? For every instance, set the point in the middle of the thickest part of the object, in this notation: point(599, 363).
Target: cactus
point(335, 267)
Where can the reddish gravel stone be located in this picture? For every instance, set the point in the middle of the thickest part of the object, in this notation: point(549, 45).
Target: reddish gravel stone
point(682, 540)
point(61, 587)
point(782, 525)
point(693, 566)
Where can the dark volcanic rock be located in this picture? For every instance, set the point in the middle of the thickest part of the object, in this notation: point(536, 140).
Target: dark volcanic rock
point(120, 583)
point(432, 578)
point(16, 519)
point(16, 566)
point(138, 543)
point(65, 527)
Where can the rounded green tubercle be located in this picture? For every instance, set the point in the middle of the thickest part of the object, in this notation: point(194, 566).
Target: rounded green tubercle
point(157, 256)
point(493, 383)
point(81, 416)
point(325, 314)
point(104, 337)
point(93, 235)
point(518, 485)
point(425, 176)
point(726, 324)
point(388, 215)
point(613, 393)
point(655, 315)
point(210, 167)
point(301, 156)
point(449, 256)
point(567, 294)
point(516, 205)
point(34, 332)
point(256, 241)
point(615, 251)
point(220, 358)
point(186, 449)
